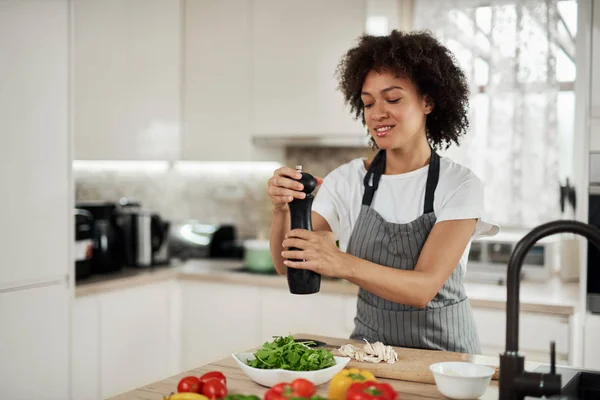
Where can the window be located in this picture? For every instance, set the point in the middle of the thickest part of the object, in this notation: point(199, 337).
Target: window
point(519, 58)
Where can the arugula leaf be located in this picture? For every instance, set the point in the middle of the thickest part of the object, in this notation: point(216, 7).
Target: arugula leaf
point(285, 353)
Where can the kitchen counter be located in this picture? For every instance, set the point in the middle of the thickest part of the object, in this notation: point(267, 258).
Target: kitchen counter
point(238, 382)
point(553, 297)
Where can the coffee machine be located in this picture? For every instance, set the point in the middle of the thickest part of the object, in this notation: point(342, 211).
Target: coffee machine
point(144, 235)
point(107, 239)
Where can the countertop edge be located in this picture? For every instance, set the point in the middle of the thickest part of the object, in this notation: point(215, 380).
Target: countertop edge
point(328, 286)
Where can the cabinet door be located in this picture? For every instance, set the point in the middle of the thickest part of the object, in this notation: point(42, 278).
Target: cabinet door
point(135, 337)
point(536, 331)
point(85, 348)
point(218, 319)
point(127, 79)
point(595, 71)
point(350, 313)
point(591, 352)
point(296, 49)
point(595, 132)
point(34, 343)
point(34, 142)
point(284, 313)
point(217, 80)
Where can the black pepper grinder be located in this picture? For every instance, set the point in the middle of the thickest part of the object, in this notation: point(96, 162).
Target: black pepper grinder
point(302, 281)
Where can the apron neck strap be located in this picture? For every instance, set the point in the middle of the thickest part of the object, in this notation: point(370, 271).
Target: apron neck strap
point(433, 176)
point(377, 168)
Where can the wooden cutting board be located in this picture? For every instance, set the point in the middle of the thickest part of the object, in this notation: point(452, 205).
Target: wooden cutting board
point(412, 365)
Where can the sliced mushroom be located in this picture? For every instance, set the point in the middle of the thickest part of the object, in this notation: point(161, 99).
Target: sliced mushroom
point(371, 352)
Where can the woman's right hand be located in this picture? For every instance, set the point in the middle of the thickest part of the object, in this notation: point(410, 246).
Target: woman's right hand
point(283, 188)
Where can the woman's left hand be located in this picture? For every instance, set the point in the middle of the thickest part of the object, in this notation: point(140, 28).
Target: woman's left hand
point(317, 249)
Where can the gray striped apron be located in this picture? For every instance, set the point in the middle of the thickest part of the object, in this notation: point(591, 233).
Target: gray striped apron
point(446, 323)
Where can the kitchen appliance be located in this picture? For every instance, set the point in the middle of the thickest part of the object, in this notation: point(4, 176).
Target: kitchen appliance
point(83, 249)
point(257, 256)
point(162, 255)
point(144, 233)
point(489, 256)
point(303, 281)
point(192, 239)
point(107, 249)
point(593, 254)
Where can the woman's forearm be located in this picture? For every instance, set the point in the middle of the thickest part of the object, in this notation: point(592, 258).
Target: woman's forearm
point(280, 225)
point(412, 288)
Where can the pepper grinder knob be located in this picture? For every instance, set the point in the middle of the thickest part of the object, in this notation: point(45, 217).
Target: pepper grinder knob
point(307, 180)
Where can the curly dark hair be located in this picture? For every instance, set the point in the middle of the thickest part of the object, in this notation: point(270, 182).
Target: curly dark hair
point(427, 63)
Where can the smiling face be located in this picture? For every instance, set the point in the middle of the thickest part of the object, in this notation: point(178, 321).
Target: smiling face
point(394, 111)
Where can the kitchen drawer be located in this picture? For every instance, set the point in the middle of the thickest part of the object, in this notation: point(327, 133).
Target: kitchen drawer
point(536, 331)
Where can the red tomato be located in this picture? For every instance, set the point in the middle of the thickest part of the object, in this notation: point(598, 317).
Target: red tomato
point(214, 389)
point(276, 392)
point(280, 387)
point(274, 396)
point(303, 388)
point(189, 384)
point(214, 374)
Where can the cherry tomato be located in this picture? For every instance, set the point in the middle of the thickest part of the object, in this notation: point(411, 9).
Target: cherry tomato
point(189, 384)
point(303, 388)
point(276, 392)
point(214, 389)
point(214, 374)
point(274, 396)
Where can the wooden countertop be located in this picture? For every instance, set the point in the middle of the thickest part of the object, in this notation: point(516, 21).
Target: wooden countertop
point(553, 297)
point(238, 382)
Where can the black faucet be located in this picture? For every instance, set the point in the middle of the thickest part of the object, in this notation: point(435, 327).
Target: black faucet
point(516, 383)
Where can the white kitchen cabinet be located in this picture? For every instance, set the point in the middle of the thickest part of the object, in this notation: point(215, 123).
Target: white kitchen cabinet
point(34, 142)
point(217, 319)
point(349, 314)
point(135, 337)
point(124, 339)
point(536, 331)
point(591, 345)
point(294, 88)
point(595, 69)
point(217, 81)
point(85, 348)
point(36, 210)
point(595, 133)
point(34, 343)
point(126, 56)
point(283, 313)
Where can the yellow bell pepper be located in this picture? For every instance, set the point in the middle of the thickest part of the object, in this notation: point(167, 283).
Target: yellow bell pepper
point(342, 380)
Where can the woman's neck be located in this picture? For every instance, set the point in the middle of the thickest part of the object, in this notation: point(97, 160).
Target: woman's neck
point(409, 158)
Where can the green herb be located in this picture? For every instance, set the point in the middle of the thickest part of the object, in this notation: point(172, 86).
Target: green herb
point(241, 397)
point(315, 397)
point(285, 353)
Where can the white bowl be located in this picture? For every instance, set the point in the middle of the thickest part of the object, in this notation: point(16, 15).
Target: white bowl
point(271, 377)
point(461, 380)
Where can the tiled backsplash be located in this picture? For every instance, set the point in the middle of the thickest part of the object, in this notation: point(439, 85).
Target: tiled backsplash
point(207, 192)
point(321, 160)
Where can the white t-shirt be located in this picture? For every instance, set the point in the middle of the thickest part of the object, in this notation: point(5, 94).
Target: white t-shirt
point(401, 198)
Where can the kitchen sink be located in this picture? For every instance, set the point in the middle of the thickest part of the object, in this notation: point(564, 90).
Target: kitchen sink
point(585, 385)
point(577, 383)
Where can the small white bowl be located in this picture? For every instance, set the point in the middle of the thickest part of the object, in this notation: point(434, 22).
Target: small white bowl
point(461, 380)
point(271, 377)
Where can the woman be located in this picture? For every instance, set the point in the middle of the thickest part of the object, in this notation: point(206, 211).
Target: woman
point(405, 217)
